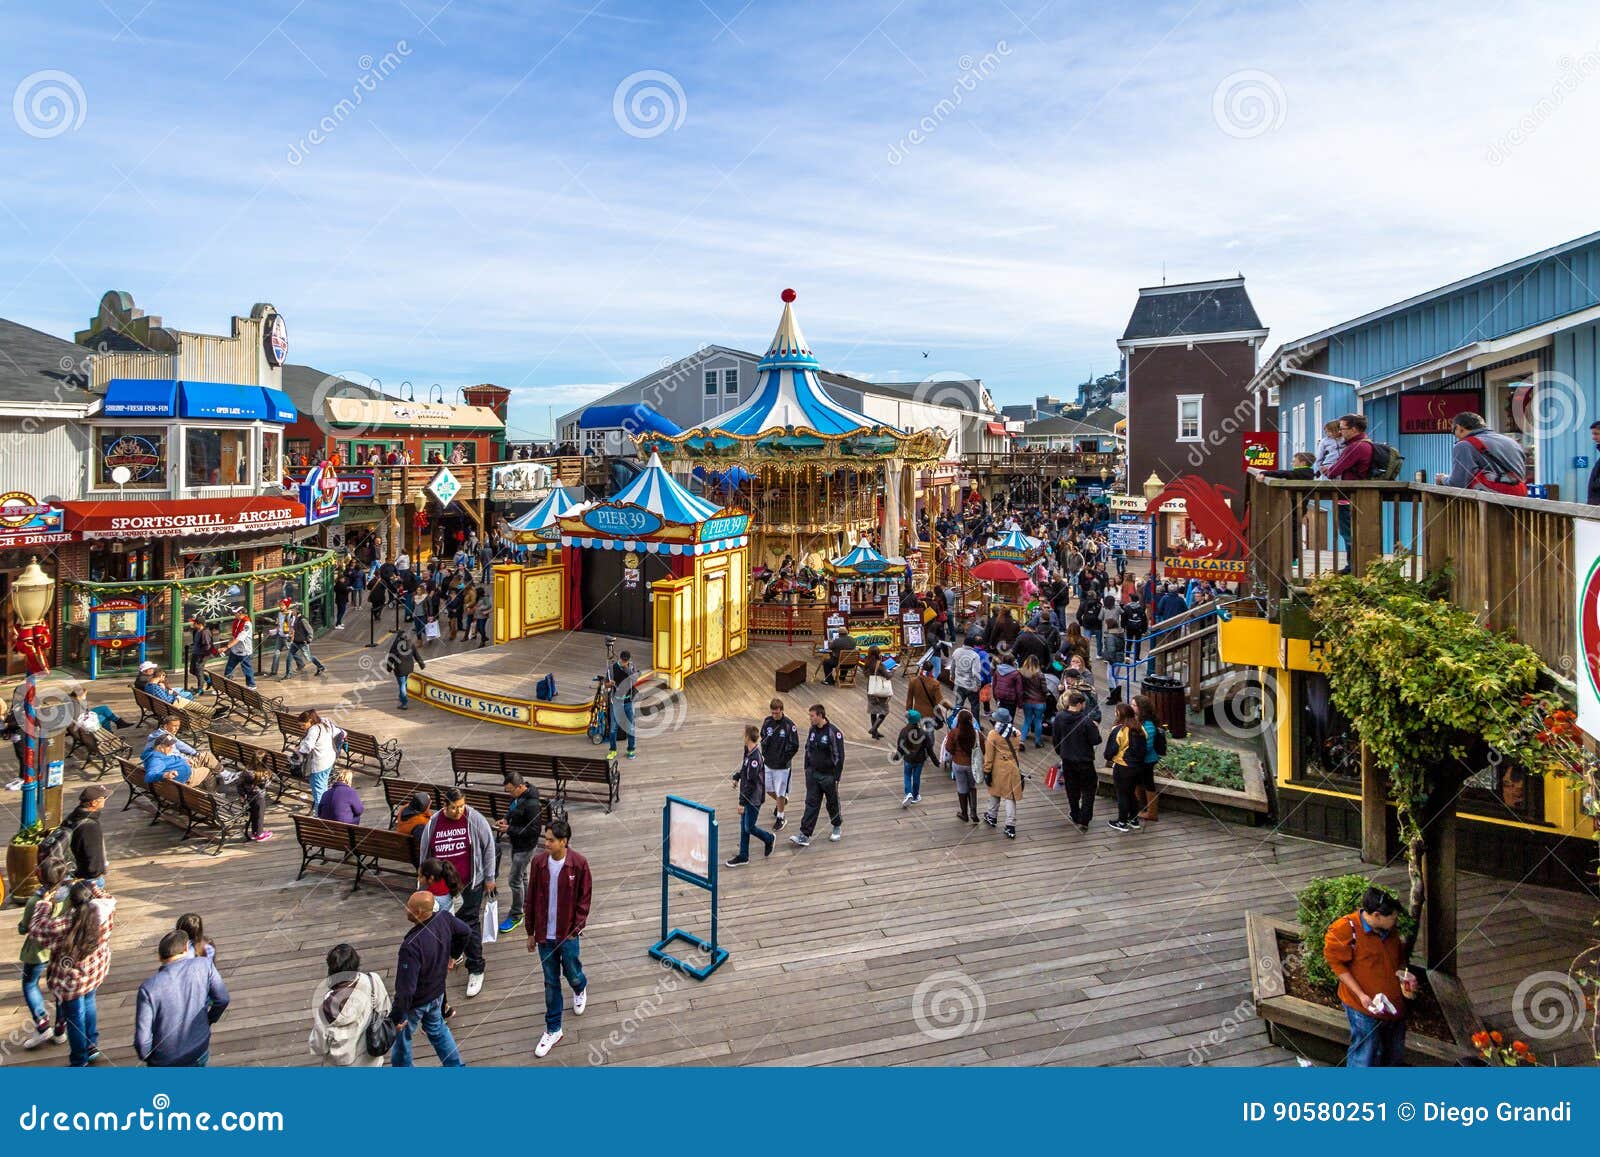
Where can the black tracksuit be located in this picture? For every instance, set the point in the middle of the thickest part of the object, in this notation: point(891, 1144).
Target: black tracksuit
point(824, 765)
point(1076, 740)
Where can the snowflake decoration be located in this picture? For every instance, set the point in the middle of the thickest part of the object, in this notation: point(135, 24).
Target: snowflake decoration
point(215, 602)
point(314, 583)
point(83, 603)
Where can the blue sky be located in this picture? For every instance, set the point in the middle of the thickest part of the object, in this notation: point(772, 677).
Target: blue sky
point(493, 210)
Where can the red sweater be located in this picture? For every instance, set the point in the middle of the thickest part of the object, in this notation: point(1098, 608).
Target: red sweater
point(572, 900)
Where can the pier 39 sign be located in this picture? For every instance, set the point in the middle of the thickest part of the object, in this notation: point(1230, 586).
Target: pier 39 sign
point(622, 521)
point(478, 704)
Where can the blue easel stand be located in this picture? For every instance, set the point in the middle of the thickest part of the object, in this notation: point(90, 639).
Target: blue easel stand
point(712, 954)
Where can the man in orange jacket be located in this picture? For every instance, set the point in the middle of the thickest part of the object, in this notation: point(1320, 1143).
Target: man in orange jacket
point(1365, 952)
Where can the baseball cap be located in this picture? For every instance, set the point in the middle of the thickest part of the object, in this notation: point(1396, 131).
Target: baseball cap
point(91, 793)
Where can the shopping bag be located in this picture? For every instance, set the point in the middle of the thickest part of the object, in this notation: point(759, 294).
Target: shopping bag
point(1052, 776)
point(430, 630)
point(880, 685)
point(491, 919)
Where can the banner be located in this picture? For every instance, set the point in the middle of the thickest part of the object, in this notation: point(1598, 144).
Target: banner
point(183, 518)
point(1586, 568)
point(1260, 450)
point(1431, 413)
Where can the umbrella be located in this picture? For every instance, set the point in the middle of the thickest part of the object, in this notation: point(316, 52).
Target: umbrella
point(998, 571)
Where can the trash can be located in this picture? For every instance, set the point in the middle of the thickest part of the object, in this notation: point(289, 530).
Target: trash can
point(1167, 694)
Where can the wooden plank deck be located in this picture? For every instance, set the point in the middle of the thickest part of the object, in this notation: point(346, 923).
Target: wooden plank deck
point(916, 940)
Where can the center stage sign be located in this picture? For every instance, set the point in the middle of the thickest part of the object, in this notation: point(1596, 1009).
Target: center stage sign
point(476, 703)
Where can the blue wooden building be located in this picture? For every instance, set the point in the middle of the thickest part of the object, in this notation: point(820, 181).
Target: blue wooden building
point(1519, 344)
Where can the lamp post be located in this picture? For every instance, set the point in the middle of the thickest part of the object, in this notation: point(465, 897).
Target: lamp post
point(1153, 486)
point(31, 595)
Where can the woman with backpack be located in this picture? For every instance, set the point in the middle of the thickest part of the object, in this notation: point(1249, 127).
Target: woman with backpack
point(1007, 686)
point(1002, 771)
point(1155, 737)
point(343, 1008)
point(877, 695)
point(963, 746)
point(1034, 696)
point(913, 747)
point(36, 959)
point(1111, 630)
point(317, 752)
point(1124, 755)
point(79, 943)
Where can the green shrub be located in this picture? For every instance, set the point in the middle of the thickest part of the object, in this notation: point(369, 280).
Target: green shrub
point(1201, 763)
point(1321, 903)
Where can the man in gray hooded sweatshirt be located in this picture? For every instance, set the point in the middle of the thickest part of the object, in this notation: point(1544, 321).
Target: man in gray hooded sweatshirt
point(460, 836)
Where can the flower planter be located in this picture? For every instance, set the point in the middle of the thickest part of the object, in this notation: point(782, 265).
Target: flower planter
point(1322, 1033)
point(22, 860)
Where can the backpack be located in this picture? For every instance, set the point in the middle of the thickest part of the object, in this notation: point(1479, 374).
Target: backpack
point(1386, 463)
point(55, 845)
point(545, 690)
point(1161, 741)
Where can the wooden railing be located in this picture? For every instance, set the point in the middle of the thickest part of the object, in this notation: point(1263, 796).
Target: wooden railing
point(399, 483)
point(1057, 463)
point(1511, 558)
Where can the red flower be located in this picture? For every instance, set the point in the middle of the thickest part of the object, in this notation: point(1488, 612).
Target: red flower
point(1480, 1040)
point(1497, 1038)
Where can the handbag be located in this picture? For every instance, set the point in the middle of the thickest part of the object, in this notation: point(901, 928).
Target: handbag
point(491, 920)
point(880, 685)
point(380, 1029)
point(431, 629)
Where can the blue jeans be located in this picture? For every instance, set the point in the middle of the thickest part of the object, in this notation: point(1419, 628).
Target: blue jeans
point(1374, 1043)
point(243, 661)
point(401, 680)
point(558, 957)
point(1033, 720)
point(1343, 517)
point(431, 1017)
point(31, 994)
point(911, 773)
point(747, 828)
point(319, 787)
point(627, 713)
point(83, 1028)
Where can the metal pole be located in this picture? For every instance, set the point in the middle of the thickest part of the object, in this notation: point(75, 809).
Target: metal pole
point(30, 773)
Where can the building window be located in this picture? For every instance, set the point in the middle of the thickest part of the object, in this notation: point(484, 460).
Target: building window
point(216, 457)
point(299, 452)
point(730, 383)
point(1316, 418)
point(1297, 429)
point(142, 452)
point(711, 383)
point(272, 464)
point(1189, 417)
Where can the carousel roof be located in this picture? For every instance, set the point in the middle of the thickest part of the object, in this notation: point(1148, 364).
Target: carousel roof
point(658, 492)
point(866, 560)
point(1016, 540)
point(787, 392)
point(545, 514)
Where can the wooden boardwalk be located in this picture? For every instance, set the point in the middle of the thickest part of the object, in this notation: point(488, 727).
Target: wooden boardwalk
point(915, 940)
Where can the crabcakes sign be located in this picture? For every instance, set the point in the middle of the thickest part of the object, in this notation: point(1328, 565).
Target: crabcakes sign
point(1586, 566)
point(1224, 554)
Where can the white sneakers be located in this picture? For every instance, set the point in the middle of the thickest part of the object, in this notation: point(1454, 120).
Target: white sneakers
point(838, 834)
point(474, 983)
point(547, 1042)
point(580, 1001)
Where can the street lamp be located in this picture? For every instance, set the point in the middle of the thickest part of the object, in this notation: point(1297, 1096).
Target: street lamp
point(31, 595)
point(1153, 486)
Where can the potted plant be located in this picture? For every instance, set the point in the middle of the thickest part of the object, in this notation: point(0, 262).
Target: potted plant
point(22, 861)
point(1298, 995)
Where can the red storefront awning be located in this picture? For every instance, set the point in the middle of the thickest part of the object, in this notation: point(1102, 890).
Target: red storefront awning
point(182, 518)
point(997, 428)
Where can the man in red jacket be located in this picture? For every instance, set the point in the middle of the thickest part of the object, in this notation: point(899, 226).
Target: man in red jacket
point(1354, 463)
point(559, 888)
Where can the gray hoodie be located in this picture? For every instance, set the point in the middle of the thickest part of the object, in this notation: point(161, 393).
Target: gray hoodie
point(481, 834)
point(340, 1011)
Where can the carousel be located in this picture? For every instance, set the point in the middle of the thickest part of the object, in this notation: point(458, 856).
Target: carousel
point(817, 475)
point(540, 528)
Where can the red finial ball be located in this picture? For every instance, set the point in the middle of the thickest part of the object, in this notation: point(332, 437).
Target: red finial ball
point(787, 295)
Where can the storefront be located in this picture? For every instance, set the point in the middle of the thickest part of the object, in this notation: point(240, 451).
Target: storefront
point(29, 529)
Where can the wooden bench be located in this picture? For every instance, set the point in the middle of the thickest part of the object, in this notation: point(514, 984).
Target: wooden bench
point(286, 775)
point(491, 803)
point(191, 808)
point(246, 704)
point(588, 778)
point(367, 848)
point(196, 714)
point(362, 751)
point(138, 791)
point(99, 750)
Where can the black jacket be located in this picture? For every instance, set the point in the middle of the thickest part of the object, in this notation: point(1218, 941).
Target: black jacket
point(1075, 736)
point(1031, 643)
point(1594, 480)
point(403, 656)
point(425, 956)
point(752, 779)
point(88, 844)
point(1134, 621)
point(522, 821)
point(780, 742)
point(1134, 756)
point(914, 744)
point(825, 751)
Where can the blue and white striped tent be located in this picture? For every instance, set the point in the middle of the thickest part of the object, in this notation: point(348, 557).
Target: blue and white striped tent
point(539, 524)
point(866, 562)
point(656, 491)
point(1014, 546)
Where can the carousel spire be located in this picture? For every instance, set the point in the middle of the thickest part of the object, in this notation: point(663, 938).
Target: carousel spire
point(789, 346)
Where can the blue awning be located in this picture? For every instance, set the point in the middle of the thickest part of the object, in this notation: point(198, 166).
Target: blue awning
point(140, 398)
point(222, 402)
point(279, 407)
point(639, 418)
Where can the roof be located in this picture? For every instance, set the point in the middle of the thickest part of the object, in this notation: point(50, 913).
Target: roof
point(787, 393)
point(1192, 309)
point(640, 418)
point(38, 368)
point(309, 388)
point(1044, 427)
point(658, 492)
point(960, 393)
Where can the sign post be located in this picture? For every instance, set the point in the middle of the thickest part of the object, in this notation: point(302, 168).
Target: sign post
point(689, 854)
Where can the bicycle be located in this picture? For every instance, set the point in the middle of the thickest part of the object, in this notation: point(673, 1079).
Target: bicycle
point(600, 711)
